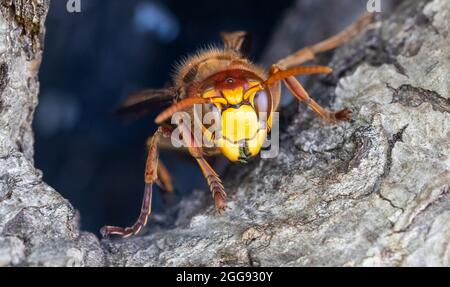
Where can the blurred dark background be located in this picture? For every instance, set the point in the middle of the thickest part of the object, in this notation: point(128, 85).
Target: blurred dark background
point(92, 60)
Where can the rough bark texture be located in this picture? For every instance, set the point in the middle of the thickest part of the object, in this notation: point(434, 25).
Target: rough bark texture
point(37, 225)
point(367, 193)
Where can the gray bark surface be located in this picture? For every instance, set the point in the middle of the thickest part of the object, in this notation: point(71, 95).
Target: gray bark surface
point(372, 192)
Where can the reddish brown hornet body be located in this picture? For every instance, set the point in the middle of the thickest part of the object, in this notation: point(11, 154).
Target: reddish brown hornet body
point(225, 83)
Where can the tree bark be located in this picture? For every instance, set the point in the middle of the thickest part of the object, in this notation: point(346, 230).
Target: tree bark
point(38, 227)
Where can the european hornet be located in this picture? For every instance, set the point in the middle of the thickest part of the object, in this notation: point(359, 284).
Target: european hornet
point(227, 84)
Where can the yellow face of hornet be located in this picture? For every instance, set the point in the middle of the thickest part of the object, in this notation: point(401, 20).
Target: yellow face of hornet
point(244, 121)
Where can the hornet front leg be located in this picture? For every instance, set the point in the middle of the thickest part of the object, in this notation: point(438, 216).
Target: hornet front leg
point(309, 53)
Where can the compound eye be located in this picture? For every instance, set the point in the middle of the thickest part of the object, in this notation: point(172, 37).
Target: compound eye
point(262, 102)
